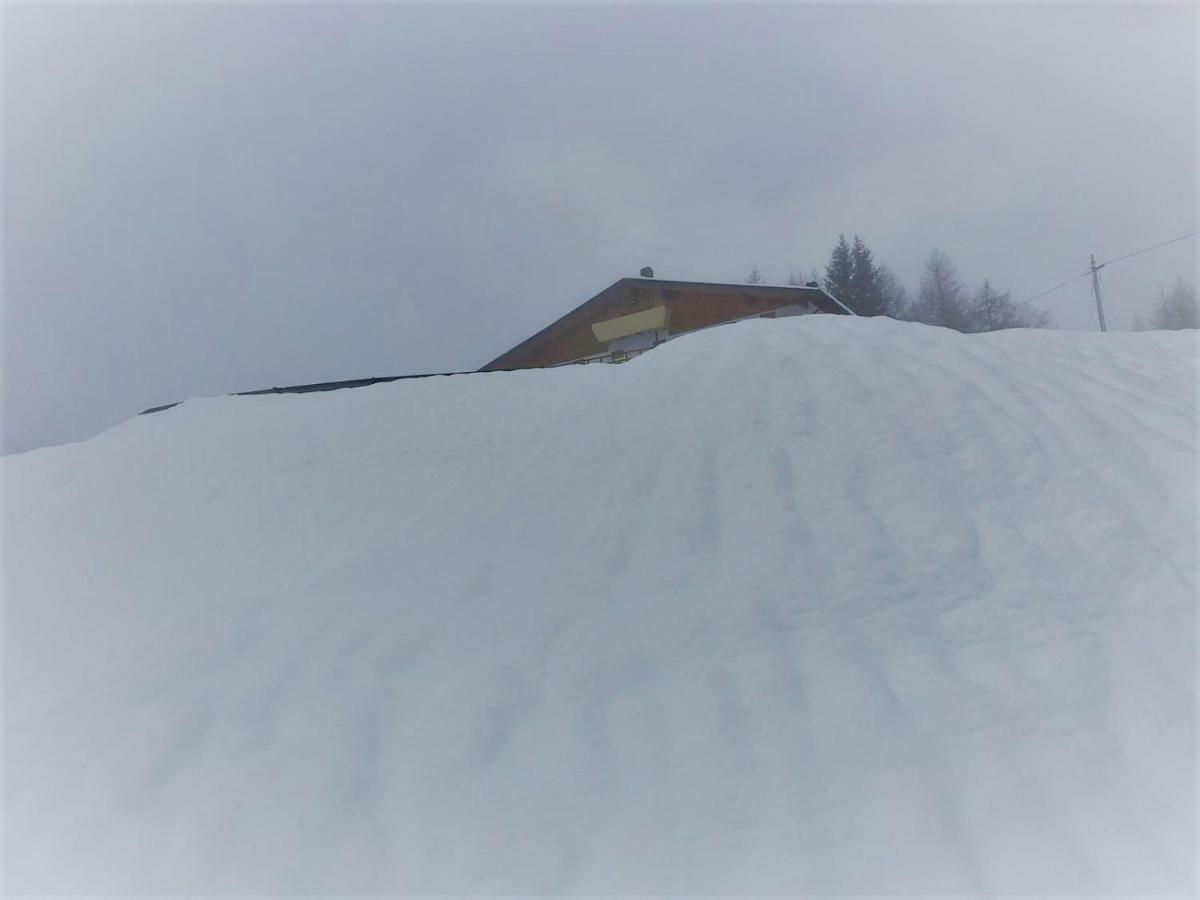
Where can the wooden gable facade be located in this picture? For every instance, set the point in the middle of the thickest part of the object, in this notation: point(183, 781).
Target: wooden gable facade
point(635, 314)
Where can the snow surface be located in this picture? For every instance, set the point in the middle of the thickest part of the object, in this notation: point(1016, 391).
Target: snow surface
point(816, 605)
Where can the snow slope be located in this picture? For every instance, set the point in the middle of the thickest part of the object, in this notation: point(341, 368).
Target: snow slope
point(815, 605)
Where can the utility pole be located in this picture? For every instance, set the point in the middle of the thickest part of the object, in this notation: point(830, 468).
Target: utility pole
point(1096, 291)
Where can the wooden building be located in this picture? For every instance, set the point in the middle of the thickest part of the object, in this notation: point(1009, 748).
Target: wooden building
point(623, 320)
point(635, 314)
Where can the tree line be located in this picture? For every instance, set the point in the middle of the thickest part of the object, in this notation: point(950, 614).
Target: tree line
point(1175, 310)
point(872, 289)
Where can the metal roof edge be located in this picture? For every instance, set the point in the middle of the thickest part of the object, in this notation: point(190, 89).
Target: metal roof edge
point(533, 337)
point(315, 387)
point(848, 310)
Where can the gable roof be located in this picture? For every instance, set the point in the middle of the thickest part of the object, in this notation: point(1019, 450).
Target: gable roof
point(618, 291)
point(614, 294)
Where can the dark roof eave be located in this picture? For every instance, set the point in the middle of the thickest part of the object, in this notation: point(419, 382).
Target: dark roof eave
point(316, 387)
point(559, 321)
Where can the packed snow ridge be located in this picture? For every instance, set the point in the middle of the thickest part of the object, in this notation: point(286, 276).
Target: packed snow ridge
point(812, 606)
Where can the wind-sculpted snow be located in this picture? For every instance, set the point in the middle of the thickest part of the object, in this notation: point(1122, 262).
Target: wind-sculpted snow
point(808, 606)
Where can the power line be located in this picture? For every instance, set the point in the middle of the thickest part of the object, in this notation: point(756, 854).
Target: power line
point(1057, 286)
point(1155, 247)
point(1109, 262)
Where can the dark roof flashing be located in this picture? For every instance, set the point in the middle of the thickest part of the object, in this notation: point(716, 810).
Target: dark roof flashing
point(316, 387)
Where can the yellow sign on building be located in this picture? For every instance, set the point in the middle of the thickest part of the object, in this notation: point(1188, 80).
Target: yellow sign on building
point(646, 320)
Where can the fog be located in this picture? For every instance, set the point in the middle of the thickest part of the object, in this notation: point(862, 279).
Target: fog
point(213, 198)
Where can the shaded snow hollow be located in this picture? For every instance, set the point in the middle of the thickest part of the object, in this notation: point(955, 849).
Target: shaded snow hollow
point(814, 605)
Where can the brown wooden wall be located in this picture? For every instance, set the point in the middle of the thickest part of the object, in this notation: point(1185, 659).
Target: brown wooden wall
point(690, 309)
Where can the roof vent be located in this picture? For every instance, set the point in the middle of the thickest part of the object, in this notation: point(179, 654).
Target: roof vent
point(647, 272)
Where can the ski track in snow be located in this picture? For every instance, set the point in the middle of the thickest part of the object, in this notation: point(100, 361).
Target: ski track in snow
point(807, 606)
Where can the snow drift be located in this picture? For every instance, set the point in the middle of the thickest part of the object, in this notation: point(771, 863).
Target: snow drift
point(814, 606)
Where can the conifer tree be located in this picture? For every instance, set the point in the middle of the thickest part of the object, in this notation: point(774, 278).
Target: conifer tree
point(1177, 309)
point(864, 297)
point(893, 296)
point(839, 272)
point(993, 310)
point(941, 300)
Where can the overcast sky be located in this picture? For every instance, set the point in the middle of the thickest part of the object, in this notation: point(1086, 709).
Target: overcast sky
point(210, 198)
